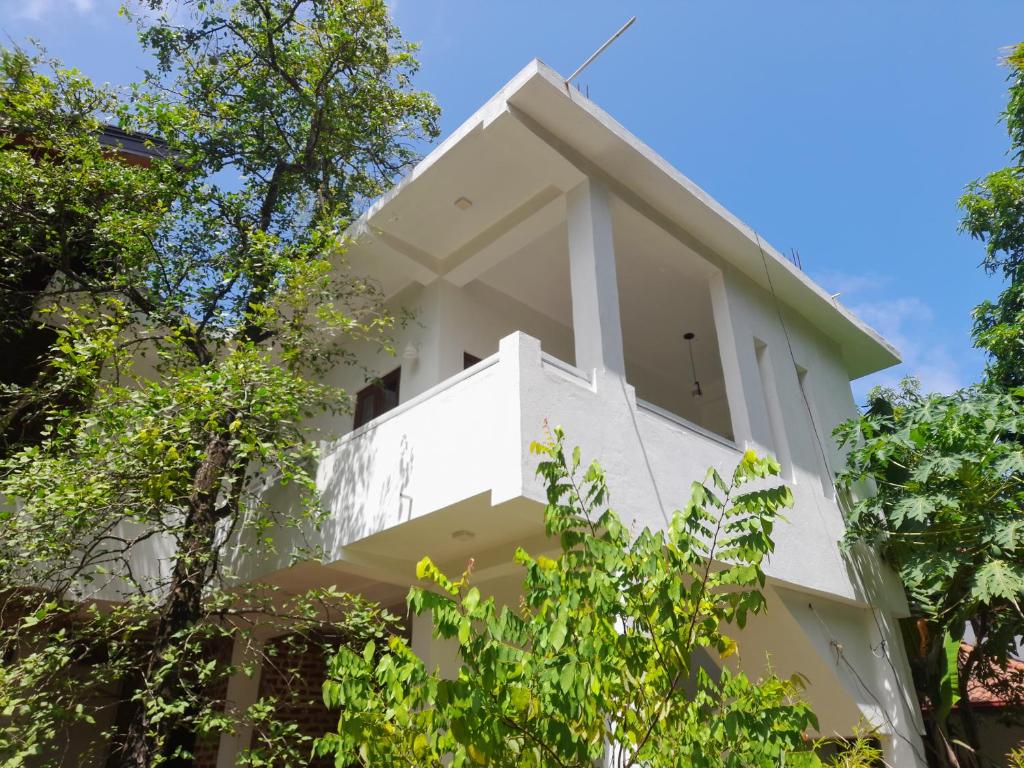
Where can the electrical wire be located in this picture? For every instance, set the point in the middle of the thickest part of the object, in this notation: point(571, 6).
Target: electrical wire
point(792, 356)
point(841, 656)
point(643, 449)
point(883, 646)
point(807, 405)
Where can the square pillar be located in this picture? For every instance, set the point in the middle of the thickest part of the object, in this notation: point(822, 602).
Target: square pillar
point(435, 652)
point(597, 327)
point(743, 388)
point(243, 691)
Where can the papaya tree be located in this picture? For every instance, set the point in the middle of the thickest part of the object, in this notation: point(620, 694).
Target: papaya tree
point(947, 473)
point(945, 477)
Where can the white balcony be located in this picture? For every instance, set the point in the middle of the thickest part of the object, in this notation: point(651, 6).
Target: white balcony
point(449, 474)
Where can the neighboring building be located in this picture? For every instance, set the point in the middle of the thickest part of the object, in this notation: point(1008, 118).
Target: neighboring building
point(24, 341)
point(555, 265)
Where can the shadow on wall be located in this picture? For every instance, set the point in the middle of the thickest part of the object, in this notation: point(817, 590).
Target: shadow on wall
point(874, 581)
point(349, 469)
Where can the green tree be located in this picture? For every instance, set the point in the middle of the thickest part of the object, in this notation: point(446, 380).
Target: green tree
point(603, 649)
point(947, 475)
point(993, 212)
point(65, 207)
point(194, 303)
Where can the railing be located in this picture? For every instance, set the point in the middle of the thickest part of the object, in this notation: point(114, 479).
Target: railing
point(560, 367)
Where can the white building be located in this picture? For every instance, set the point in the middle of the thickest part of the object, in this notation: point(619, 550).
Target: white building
point(554, 264)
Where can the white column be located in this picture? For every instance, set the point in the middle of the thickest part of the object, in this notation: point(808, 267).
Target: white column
point(743, 386)
point(597, 327)
point(514, 467)
point(732, 367)
point(434, 651)
point(243, 690)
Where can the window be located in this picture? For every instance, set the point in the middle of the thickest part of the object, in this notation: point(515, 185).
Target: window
point(468, 360)
point(377, 399)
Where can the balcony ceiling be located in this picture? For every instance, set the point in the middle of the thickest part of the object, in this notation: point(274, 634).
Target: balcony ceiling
point(513, 160)
point(451, 537)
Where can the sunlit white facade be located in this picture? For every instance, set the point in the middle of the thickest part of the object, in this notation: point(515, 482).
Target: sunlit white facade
point(553, 265)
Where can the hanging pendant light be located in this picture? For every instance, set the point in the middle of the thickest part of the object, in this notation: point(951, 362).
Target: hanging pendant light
point(697, 392)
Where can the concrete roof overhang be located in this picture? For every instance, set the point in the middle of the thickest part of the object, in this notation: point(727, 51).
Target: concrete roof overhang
point(535, 139)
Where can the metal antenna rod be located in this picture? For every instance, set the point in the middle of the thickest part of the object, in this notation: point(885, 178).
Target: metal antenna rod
point(600, 50)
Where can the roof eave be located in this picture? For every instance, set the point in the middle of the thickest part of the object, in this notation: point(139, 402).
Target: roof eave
point(530, 92)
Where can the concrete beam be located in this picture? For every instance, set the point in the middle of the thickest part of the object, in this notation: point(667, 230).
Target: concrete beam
point(417, 263)
point(387, 570)
point(617, 188)
point(511, 233)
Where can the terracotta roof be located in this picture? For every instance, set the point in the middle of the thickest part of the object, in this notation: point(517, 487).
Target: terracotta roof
point(995, 687)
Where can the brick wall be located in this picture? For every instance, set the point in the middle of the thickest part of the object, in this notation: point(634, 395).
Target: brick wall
point(293, 672)
point(206, 747)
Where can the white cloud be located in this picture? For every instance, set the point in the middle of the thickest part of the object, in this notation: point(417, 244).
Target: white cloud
point(44, 10)
point(908, 323)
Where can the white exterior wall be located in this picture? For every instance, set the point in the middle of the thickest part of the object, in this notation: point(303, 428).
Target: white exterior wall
point(422, 304)
point(475, 318)
point(746, 314)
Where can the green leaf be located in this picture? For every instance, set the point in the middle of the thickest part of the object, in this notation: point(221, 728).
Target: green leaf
point(949, 686)
point(556, 635)
point(999, 579)
point(918, 508)
point(567, 676)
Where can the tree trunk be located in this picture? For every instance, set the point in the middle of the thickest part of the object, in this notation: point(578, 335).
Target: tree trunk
point(182, 608)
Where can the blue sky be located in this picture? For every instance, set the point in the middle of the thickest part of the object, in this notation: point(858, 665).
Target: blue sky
point(843, 129)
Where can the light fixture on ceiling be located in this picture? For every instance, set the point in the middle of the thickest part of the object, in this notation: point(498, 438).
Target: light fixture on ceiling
point(463, 203)
point(463, 535)
point(696, 392)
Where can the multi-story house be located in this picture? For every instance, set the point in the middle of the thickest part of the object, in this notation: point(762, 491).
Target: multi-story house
point(560, 272)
